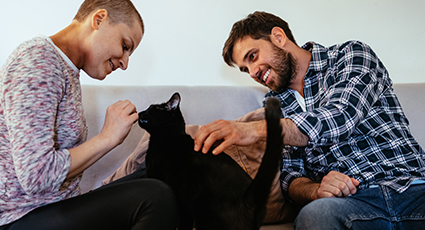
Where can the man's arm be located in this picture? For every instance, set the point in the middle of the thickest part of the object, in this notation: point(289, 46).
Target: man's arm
point(244, 133)
point(292, 134)
point(303, 190)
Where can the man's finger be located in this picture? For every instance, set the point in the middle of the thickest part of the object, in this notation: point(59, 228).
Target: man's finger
point(221, 147)
point(212, 139)
point(200, 138)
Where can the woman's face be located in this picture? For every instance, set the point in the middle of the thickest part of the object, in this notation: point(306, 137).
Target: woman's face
point(110, 47)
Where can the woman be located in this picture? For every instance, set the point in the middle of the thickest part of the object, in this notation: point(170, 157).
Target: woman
point(43, 147)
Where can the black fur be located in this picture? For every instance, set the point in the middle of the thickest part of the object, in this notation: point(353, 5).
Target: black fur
point(213, 192)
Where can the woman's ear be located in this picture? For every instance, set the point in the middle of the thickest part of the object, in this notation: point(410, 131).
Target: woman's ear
point(278, 37)
point(99, 17)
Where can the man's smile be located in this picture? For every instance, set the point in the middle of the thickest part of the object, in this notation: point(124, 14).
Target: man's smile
point(266, 76)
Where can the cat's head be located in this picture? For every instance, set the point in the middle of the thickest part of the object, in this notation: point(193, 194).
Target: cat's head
point(162, 116)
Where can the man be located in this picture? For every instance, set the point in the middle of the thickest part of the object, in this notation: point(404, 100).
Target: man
point(348, 140)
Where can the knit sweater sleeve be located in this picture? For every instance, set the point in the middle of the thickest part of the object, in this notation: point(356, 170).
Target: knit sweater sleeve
point(32, 92)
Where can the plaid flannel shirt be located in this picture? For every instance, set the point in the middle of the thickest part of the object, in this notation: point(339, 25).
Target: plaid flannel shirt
point(354, 121)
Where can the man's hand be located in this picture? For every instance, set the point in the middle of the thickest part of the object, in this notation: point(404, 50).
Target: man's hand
point(336, 184)
point(243, 133)
point(229, 133)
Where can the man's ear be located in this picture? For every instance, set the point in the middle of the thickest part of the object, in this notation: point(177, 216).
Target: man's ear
point(278, 37)
point(99, 17)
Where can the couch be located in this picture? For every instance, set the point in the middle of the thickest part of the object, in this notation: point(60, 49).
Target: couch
point(201, 105)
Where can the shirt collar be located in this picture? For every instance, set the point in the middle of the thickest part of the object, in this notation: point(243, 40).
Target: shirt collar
point(318, 63)
point(63, 55)
point(319, 57)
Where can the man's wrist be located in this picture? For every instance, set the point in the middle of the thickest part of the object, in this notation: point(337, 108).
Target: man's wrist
point(303, 190)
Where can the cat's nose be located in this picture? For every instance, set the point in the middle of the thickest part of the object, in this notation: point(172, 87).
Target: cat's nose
point(140, 115)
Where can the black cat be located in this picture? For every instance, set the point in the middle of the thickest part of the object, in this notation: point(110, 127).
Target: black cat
point(213, 192)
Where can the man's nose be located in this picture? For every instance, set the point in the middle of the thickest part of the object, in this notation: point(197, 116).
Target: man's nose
point(253, 72)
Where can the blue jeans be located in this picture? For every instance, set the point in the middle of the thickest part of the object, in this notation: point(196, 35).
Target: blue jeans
point(371, 208)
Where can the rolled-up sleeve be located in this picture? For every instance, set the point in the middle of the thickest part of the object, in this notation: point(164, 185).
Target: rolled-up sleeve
point(292, 168)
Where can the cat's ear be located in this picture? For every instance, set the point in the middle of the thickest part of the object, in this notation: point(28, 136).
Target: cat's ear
point(174, 102)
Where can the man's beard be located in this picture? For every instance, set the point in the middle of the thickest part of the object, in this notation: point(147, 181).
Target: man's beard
point(285, 66)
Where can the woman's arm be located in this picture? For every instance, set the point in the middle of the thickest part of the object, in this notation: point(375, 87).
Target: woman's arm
point(118, 122)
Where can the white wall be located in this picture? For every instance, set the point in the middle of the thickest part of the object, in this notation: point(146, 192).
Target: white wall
point(183, 40)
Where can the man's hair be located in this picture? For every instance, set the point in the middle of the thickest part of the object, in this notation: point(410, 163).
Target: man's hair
point(119, 11)
point(257, 25)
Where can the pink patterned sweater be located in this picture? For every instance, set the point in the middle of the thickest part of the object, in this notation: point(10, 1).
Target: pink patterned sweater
point(41, 116)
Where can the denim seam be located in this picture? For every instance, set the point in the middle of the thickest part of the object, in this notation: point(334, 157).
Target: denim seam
point(353, 218)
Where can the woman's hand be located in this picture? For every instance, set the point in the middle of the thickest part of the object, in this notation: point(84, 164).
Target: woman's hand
point(119, 119)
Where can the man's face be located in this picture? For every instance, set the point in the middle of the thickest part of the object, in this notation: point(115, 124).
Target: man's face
point(111, 47)
point(266, 63)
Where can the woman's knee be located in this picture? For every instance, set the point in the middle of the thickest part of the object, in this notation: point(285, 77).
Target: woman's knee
point(153, 190)
point(157, 203)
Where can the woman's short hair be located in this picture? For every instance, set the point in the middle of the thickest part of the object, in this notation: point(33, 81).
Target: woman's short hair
point(257, 25)
point(119, 11)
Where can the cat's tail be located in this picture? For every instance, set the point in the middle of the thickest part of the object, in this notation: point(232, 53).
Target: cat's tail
point(258, 192)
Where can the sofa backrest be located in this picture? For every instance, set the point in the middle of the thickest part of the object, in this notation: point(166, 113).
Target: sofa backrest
point(201, 105)
point(412, 99)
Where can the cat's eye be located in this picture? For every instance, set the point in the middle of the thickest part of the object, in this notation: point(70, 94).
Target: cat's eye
point(159, 107)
